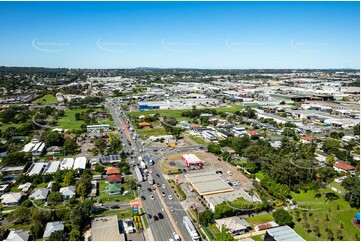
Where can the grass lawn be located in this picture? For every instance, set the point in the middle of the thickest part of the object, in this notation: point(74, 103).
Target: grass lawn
point(46, 99)
point(258, 237)
point(338, 186)
point(68, 120)
point(198, 139)
point(319, 208)
point(104, 197)
point(145, 133)
point(42, 185)
point(213, 229)
point(122, 213)
point(3, 127)
point(259, 219)
point(17, 226)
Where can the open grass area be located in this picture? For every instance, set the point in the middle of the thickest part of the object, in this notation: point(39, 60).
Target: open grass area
point(145, 133)
point(259, 175)
point(104, 197)
point(319, 210)
point(121, 213)
point(259, 219)
point(68, 120)
point(212, 228)
point(3, 127)
point(198, 139)
point(338, 186)
point(46, 99)
point(258, 237)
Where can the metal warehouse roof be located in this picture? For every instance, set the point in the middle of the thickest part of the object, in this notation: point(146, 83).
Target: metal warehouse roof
point(208, 183)
point(284, 233)
point(106, 229)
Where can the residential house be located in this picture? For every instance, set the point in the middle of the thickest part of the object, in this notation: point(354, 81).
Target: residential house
point(223, 133)
point(18, 235)
point(11, 199)
point(39, 194)
point(24, 188)
point(307, 139)
point(67, 192)
point(52, 227)
point(233, 225)
point(3, 188)
point(54, 150)
point(251, 133)
point(343, 167)
point(113, 189)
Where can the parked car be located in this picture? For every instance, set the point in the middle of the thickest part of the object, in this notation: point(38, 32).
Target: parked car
point(149, 216)
point(155, 217)
point(163, 186)
point(163, 194)
point(160, 215)
point(114, 207)
point(157, 175)
point(151, 197)
point(171, 209)
point(143, 198)
point(170, 197)
point(149, 189)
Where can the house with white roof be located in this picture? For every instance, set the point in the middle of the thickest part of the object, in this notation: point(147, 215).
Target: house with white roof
point(52, 227)
point(234, 225)
point(18, 235)
point(24, 188)
point(36, 168)
point(51, 167)
point(67, 192)
point(67, 164)
point(80, 163)
point(11, 199)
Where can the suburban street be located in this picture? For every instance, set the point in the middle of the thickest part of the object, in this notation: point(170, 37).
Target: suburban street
point(163, 228)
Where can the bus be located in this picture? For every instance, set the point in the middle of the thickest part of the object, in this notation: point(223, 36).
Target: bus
point(190, 228)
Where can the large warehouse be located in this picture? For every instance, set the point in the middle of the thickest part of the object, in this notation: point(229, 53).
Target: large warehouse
point(208, 183)
point(192, 160)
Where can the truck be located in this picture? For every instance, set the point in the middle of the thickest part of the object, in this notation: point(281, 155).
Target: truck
point(150, 160)
point(190, 228)
point(138, 173)
point(142, 165)
point(150, 180)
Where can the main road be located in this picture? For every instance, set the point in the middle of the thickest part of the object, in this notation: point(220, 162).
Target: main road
point(163, 228)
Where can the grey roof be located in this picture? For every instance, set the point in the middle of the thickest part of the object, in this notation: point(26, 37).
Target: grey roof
point(216, 199)
point(284, 233)
point(106, 229)
point(52, 227)
point(233, 223)
point(67, 191)
point(18, 235)
point(51, 167)
point(207, 183)
point(40, 193)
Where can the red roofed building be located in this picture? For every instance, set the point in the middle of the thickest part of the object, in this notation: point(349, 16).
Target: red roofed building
point(343, 167)
point(264, 226)
point(114, 178)
point(112, 170)
point(191, 160)
point(144, 124)
point(307, 139)
point(251, 132)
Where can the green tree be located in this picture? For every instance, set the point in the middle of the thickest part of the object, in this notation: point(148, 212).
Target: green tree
point(100, 145)
point(55, 187)
point(74, 235)
point(17, 159)
point(352, 186)
point(20, 215)
point(57, 236)
point(55, 198)
point(82, 189)
point(54, 139)
point(69, 178)
point(283, 217)
point(223, 235)
point(70, 146)
point(206, 217)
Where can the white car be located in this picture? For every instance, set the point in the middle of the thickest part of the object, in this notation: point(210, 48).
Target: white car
point(170, 197)
point(171, 209)
point(152, 197)
point(163, 186)
point(176, 236)
point(163, 194)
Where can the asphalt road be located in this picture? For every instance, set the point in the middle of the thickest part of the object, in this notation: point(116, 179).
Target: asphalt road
point(162, 229)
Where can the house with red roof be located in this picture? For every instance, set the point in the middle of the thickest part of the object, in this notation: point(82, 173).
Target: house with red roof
point(343, 167)
point(144, 124)
point(116, 178)
point(251, 133)
point(307, 139)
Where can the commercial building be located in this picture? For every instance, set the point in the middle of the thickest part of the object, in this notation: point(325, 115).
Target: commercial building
point(106, 229)
point(97, 128)
point(178, 103)
point(208, 183)
point(192, 160)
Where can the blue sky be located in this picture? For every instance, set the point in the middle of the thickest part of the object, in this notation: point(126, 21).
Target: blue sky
point(180, 34)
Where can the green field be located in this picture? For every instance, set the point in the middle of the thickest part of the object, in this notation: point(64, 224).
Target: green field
point(121, 213)
point(46, 99)
point(259, 219)
point(198, 139)
point(3, 127)
point(212, 228)
point(338, 186)
point(318, 208)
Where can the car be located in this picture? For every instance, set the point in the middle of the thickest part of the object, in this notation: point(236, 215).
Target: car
point(155, 217)
point(171, 209)
point(157, 175)
point(149, 216)
point(163, 194)
point(229, 173)
point(158, 185)
point(160, 215)
point(114, 207)
point(170, 197)
point(230, 183)
point(184, 170)
point(176, 236)
point(149, 189)
point(139, 187)
point(163, 186)
point(151, 197)
point(143, 198)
